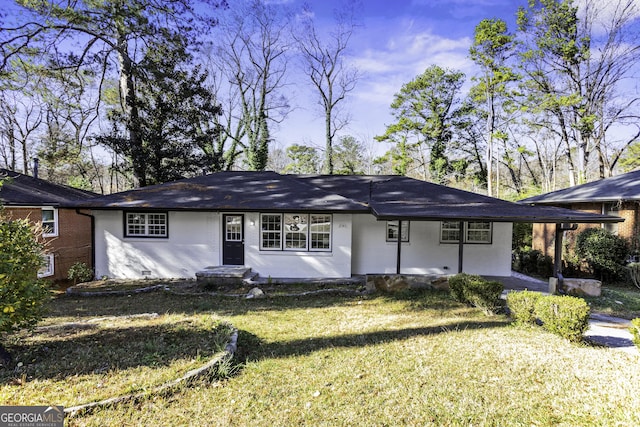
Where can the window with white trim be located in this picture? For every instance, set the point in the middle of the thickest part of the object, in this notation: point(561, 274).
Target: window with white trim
point(146, 224)
point(613, 210)
point(295, 232)
point(48, 268)
point(474, 232)
point(49, 222)
point(392, 231)
point(271, 232)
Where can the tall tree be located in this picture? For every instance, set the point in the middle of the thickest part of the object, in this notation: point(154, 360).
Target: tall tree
point(324, 62)
point(251, 53)
point(576, 59)
point(425, 108)
point(349, 156)
point(303, 159)
point(491, 48)
point(176, 110)
point(94, 35)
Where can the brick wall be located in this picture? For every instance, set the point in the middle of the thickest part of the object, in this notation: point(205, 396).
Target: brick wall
point(73, 243)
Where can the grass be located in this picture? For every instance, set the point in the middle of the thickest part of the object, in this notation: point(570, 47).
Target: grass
point(415, 359)
point(617, 301)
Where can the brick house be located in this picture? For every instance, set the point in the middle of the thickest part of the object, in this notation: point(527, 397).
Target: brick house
point(67, 234)
point(617, 196)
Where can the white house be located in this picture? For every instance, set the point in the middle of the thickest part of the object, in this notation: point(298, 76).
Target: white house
point(298, 226)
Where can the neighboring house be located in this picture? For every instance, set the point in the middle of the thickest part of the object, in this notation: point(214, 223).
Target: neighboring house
point(618, 196)
point(307, 226)
point(66, 233)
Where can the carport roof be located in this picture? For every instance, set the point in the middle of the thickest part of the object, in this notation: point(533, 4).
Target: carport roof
point(398, 197)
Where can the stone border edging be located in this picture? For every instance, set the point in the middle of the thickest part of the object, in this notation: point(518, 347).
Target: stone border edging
point(194, 374)
point(167, 288)
point(75, 292)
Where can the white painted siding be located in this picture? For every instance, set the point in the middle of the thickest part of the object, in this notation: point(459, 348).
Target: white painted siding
point(424, 254)
point(193, 243)
point(300, 264)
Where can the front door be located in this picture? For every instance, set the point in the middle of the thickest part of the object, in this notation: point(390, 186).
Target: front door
point(233, 240)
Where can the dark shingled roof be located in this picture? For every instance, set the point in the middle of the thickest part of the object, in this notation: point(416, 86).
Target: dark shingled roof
point(387, 197)
point(398, 197)
point(617, 188)
point(24, 190)
point(229, 191)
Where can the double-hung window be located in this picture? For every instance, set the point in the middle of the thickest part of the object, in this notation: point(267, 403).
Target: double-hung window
point(473, 232)
point(49, 222)
point(146, 224)
point(295, 232)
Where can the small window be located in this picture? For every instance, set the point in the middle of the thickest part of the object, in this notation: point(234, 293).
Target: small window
point(392, 231)
point(49, 222)
point(450, 231)
point(48, 268)
point(478, 232)
point(474, 232)
point(146, 224)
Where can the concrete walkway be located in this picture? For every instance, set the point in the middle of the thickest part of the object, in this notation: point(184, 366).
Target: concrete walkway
point(604, 330)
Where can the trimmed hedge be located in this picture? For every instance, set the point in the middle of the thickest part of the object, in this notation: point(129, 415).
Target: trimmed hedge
point(522, 306)
point(635, 331)
point(473, 289)
point(563, 315)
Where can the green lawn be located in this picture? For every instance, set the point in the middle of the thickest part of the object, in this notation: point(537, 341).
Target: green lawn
point(618, 301)
point(374, 360)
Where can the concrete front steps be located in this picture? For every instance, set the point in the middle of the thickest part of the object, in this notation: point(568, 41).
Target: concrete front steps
point(225, 275)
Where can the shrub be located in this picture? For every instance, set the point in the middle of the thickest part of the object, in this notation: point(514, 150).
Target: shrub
point(564, 315)
point(635, 331)
point(533, 262)
point(80, 272)
point(22, 294)
point(522, 306)
point(604, 252)
point(473, 289)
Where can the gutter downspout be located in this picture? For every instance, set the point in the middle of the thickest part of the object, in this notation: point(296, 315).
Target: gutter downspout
point(93, 239)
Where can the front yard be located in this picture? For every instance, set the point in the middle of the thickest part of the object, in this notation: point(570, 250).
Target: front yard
point(421, 359)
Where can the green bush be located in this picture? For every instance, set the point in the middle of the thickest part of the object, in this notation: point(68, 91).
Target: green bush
point(473, 289)
point(79, 273)
point(604, 252)
point(564, 315)
point(22, 294)
point(522, 306)
point(635, 331)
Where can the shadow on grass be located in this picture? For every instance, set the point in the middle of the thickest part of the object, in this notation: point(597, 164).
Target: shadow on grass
point(160, 302)
point(253, 348)
point(65, 352)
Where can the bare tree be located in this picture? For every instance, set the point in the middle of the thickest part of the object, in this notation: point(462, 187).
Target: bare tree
point(252, 54)
point(324, 63)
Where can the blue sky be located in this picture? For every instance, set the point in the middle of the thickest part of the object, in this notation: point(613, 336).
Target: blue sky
point(398, 40)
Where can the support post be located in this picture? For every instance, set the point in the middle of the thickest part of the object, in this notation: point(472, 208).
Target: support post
point(461, 246)
point(399, 248)
point(557, 253)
